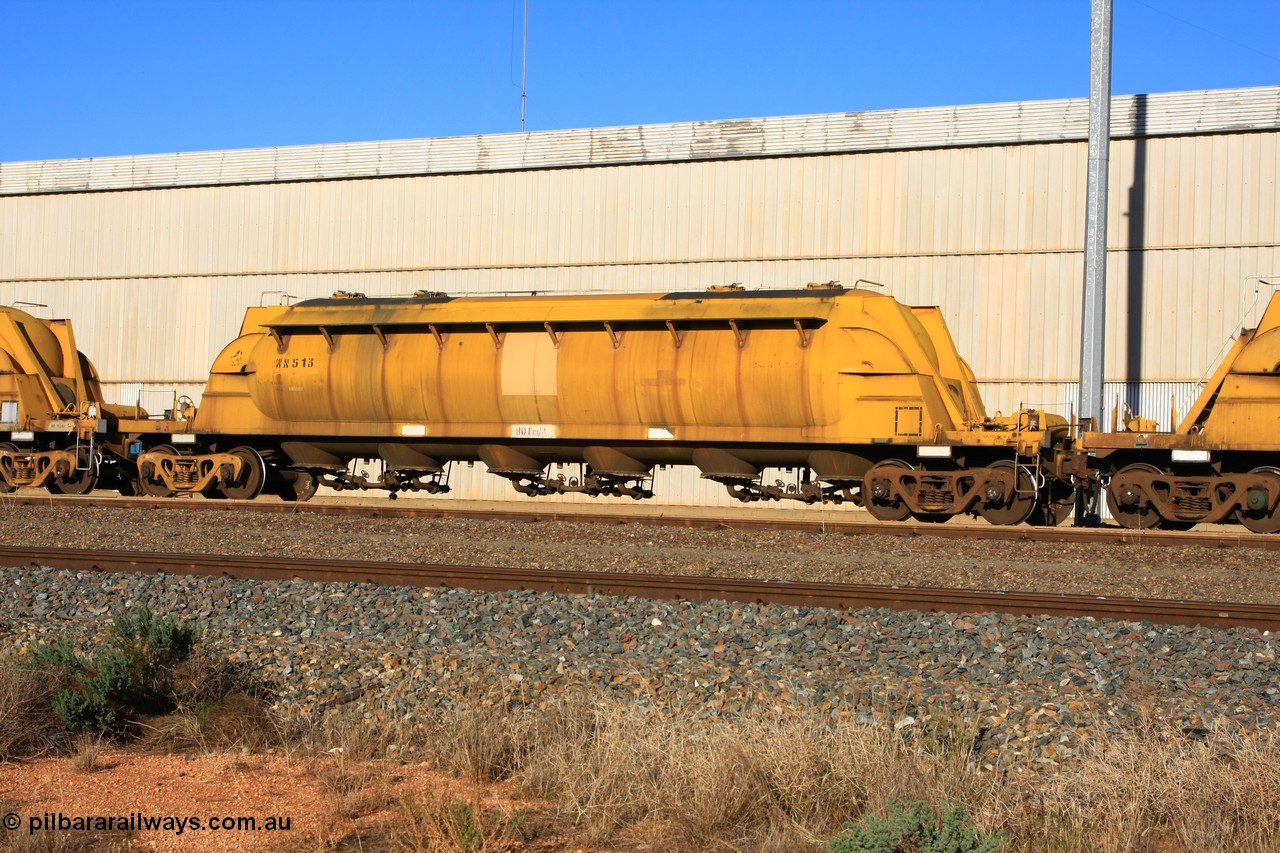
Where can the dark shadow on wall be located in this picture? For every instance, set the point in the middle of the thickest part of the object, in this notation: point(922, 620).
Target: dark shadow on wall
point(1136, 258)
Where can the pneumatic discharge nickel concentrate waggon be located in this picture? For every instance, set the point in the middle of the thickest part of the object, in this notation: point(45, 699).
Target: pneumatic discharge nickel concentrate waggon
point(853, 395)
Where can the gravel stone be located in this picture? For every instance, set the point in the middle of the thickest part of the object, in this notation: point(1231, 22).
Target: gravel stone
point(1030, 690)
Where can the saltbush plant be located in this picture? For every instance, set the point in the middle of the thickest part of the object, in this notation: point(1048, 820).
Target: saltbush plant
point(129, 678)
point(912, 827)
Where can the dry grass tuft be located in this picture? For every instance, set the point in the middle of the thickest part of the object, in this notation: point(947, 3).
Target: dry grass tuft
point(437, 823)
point(347, 757)
point(356, 787)
point(601, 763)
point(240, 721)
point(623, 776)
point(235, 722)
point(352, 772)
point(28, 726)
point(620, 775)
point(765, 783)
point(481, 744)
point(203, 679)
point(1159, 787)
point(88, 752)
point(302, 735)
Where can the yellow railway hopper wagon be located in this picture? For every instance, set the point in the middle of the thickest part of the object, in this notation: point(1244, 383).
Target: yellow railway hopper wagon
point(52, 419)
point(861, 397)
point(1220, 465)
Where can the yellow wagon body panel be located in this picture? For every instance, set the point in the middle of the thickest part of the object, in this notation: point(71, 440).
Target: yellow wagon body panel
point(826, 366)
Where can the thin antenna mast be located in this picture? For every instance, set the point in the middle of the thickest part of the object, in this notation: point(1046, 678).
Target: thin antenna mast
point(524, 67)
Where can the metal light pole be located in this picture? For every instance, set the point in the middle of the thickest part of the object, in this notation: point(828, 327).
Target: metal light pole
point(1093, 314)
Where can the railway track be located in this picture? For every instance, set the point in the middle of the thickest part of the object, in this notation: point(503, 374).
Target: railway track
point(839, 596)
point(753, 519)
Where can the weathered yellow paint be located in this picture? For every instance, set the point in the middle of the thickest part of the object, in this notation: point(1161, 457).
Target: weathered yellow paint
point(828, 366)
point(43, 372)
point(1239, 407)
point(31, 366)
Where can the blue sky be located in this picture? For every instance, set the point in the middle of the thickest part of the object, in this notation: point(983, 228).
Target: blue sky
point(81, 79)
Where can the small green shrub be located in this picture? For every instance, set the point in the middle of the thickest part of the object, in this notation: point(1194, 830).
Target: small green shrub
point(464, 824)
point(912, 828)
point(131, 677)
point(84, 711)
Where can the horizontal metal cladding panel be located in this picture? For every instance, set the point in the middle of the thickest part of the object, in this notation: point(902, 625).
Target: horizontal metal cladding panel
point(1195, 191)
point(159, 332)
point(1175, 193)
point(1013, 317)
point(1173, 113)
point(1171, 314)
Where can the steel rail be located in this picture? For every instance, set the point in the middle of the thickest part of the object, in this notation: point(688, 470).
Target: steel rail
point(497, 579)
point(1232, 537)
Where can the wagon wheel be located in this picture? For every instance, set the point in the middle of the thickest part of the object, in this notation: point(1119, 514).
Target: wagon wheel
point(1052, 513)
point(1054, 506)
point(1016, 506)
point(214, 491)
point(1136, 516)
point(82, 480)
point(154, 486)
point(253, 473)
point(1261, 521)
point(883, 508)
point(5, 488)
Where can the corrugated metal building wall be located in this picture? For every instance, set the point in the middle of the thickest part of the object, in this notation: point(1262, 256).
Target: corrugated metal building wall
point(978, 209)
